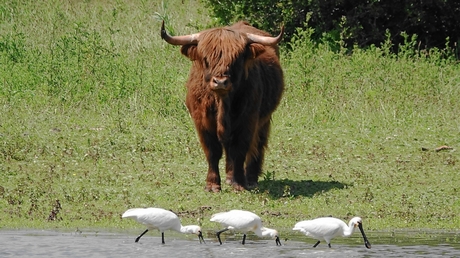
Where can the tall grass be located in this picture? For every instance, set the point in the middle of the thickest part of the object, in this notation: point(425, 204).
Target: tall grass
point(92, 114)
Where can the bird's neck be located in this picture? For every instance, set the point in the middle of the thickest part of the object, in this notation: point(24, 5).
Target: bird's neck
point(183, 229)
point(266, 232)
point(349, 230)
point(186, 229)
point(258, 232)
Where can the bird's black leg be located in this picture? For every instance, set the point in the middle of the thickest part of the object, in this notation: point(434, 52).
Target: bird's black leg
point(329, 245)
point(277, 241)
point(200, 237)
point(317, 243)
point(219, 232)
point(139, 237)
point(244, 238)
point(163, 237)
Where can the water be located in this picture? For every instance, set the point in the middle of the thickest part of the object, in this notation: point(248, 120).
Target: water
point(43, 243)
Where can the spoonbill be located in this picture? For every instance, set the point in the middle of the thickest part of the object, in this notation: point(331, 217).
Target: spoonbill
point(328, 227)
point(243, 221)
point(161, 219)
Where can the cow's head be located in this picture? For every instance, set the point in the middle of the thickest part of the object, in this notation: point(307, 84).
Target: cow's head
point(223, 54)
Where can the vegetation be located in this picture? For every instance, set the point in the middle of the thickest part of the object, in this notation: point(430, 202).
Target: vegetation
point(364, 23)
point(92, 114)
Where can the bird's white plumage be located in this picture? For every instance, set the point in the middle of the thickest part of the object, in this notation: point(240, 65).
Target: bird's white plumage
point(244, 221)
point(322, 228)
point(327, 228)
point(154, 218)
point(161, 219)
point(239, 220)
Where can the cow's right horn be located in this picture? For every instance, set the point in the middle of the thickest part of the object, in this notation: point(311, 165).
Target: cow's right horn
point(264, 40)
point(178, 40)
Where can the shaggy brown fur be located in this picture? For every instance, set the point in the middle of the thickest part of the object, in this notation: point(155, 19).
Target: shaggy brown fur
point(232, 90)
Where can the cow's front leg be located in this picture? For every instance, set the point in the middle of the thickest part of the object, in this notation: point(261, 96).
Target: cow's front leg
point(228, 170)
point(213, 151)
point(253, 170)
point(255, 162)
point(235, 171)
point(212, 181)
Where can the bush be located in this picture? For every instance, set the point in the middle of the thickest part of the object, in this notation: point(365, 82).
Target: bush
point(362, 23)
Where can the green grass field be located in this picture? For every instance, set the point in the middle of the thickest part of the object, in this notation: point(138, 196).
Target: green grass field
point(92, 114)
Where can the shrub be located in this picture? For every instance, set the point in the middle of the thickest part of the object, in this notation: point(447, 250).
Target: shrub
point(362, 23)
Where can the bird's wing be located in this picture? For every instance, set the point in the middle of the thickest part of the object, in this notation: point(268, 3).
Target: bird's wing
point(302, 226)
point(216, 217)
point(154, 217)
point(234, 218)
point(133, 213)
point(160, 218)
point(317, 228)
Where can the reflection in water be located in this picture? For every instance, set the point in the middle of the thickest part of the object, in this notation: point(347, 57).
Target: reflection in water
point(35, 243)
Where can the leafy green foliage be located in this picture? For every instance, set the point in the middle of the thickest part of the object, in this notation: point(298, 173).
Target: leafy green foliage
point(362, 23)
point(267, 15)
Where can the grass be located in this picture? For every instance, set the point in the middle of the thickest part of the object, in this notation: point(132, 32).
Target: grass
point(92, 114)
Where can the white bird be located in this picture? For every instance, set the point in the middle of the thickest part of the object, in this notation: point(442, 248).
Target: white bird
point(161, 219)
point(328, 227)
point(243, 221)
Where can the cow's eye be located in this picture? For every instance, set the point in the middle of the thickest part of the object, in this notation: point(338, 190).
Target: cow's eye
point(206, 64)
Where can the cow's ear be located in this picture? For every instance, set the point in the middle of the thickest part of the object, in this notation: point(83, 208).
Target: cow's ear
point(189, 51)
point(255, 50)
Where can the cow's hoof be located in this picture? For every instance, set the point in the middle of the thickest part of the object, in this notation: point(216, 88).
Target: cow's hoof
point(229, 181)
point(212, 188)
point(252, 185)
point(238, 187)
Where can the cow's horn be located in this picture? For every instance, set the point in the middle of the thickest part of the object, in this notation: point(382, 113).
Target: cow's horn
point(178, 40)
point(267, 41)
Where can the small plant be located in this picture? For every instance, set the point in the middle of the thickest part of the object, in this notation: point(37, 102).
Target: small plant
point(269, 176)
point(164, 16)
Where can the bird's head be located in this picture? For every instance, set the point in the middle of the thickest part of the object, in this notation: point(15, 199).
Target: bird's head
point(193, 229)
point(268, 232)
point(356, 221)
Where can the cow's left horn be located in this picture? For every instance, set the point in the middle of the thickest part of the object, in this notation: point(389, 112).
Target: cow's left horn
point(178, 40)
point(264, 40)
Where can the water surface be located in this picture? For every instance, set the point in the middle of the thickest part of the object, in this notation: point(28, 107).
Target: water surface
point(44, 243)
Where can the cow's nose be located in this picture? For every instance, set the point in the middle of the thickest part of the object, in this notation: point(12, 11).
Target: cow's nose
point(219, 83)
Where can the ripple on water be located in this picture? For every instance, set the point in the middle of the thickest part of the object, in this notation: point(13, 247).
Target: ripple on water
point(42, 243)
